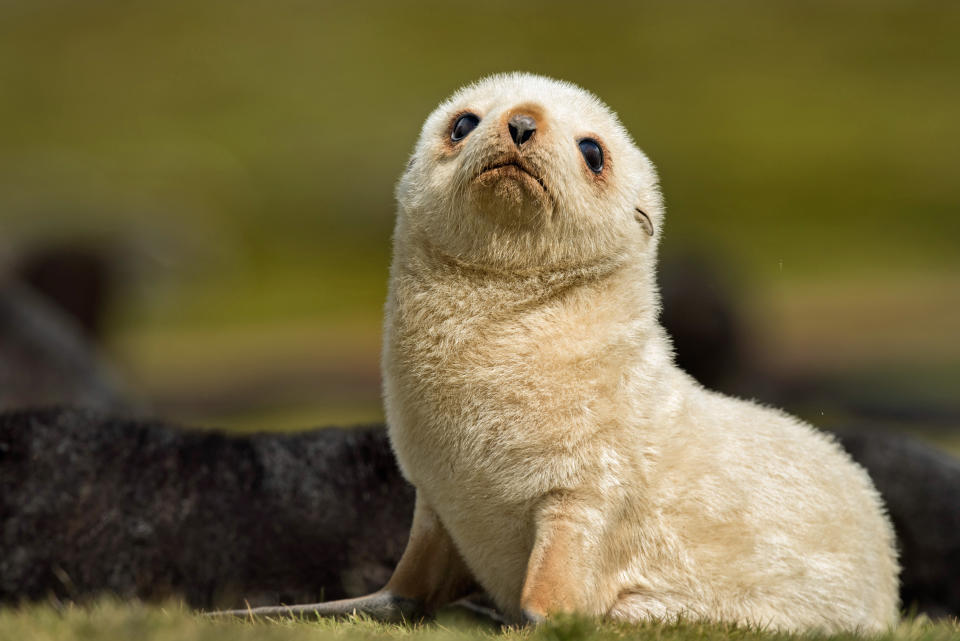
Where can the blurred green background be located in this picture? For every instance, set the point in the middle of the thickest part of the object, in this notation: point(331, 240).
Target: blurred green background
point(236, 159)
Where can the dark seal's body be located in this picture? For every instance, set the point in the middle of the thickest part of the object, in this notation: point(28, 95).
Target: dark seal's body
point(90, 504)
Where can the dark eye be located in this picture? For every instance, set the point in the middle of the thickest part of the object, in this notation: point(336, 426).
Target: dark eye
point(592, 153)
point(464, 125)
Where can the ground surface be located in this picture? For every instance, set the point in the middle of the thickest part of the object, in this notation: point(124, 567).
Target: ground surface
point(110, 620)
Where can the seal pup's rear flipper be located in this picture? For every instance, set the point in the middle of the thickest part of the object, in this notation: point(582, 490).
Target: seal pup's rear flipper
point(382, 606)
point(430, 574)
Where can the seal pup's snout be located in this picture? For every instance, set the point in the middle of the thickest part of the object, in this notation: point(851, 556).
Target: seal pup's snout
point(510, 175)
point(521, 126)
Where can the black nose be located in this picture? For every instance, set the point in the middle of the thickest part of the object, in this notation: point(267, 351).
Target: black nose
point(522, 127)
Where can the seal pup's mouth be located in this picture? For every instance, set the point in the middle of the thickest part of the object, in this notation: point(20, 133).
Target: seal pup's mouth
point(517, 189)
point(513, 167)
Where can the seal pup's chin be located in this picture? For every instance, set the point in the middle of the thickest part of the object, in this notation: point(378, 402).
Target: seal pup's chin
point(511, 192)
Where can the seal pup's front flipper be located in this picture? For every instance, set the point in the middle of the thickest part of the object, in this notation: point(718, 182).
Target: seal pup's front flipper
point(558, 566)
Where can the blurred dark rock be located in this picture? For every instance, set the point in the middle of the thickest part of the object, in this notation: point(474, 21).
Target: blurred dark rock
point(921, 487)
point(701, 317)
point(75, 279)
point(91, 504)
point(46, 359)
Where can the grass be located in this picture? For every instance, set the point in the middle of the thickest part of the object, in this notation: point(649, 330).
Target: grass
point(115, 620)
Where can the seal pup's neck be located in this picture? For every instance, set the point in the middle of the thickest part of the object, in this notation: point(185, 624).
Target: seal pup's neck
point(423, 262)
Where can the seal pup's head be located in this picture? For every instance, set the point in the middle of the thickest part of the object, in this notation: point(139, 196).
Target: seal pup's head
point(519, 172)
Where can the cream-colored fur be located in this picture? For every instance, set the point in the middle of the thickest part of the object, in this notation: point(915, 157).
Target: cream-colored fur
point(533, 400)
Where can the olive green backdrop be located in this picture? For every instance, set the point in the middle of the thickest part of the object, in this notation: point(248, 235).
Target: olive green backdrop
point(236, 159)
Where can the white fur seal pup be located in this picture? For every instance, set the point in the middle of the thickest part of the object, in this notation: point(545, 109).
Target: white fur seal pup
point(560, 458)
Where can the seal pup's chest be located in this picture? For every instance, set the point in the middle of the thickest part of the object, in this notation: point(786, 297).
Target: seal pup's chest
point(499, 389)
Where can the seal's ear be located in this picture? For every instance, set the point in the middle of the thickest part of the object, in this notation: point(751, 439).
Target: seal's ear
point(641, 217)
